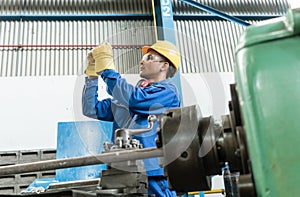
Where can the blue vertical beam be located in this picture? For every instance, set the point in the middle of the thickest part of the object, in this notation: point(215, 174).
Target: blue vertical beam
point(164, 22)
point(163, 18)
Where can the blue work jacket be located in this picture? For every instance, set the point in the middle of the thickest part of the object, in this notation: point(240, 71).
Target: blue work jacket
point(130, 107)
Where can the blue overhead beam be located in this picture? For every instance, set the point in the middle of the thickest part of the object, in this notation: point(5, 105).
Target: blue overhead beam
point(75, 17)
point(216, 12)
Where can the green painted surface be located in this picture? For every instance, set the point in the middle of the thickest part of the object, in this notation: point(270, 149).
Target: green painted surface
point(267, 73)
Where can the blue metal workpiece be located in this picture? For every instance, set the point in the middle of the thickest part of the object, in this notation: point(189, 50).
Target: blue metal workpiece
point(40, 185)
point(75, 139)
point(216, 12)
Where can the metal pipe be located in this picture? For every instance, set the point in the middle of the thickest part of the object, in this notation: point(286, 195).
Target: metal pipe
point(216, 12)
point(110, 157)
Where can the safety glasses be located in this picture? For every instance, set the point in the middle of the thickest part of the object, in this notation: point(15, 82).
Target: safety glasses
point(150, 57)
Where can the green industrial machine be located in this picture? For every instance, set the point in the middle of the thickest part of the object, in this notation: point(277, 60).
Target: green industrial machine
point(267, 74)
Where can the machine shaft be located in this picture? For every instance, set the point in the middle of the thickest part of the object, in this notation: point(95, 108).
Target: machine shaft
point(118, 156)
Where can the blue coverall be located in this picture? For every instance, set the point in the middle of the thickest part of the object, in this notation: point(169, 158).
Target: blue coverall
point(129, 108)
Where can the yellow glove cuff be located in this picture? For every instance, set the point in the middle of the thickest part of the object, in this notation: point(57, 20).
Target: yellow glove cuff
point(91, 69)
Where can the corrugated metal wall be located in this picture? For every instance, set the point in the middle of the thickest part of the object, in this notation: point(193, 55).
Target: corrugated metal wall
point(207, 46)
point(75, 6)
point(47, 48)
point(60, 47)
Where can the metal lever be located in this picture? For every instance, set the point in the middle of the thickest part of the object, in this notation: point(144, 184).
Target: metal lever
point(127, 133)
point(123, 136)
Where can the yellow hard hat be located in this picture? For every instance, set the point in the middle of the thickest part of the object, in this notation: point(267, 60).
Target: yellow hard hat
point(167, 49)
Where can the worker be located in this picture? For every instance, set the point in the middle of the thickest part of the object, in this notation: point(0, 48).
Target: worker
point(131, 105)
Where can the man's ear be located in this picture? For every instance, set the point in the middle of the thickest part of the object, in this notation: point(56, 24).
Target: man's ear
point(165, 66)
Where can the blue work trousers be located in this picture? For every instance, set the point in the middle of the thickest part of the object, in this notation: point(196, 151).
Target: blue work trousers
point(158, 187)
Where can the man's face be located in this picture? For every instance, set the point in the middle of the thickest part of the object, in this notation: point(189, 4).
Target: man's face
point(151, 65)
